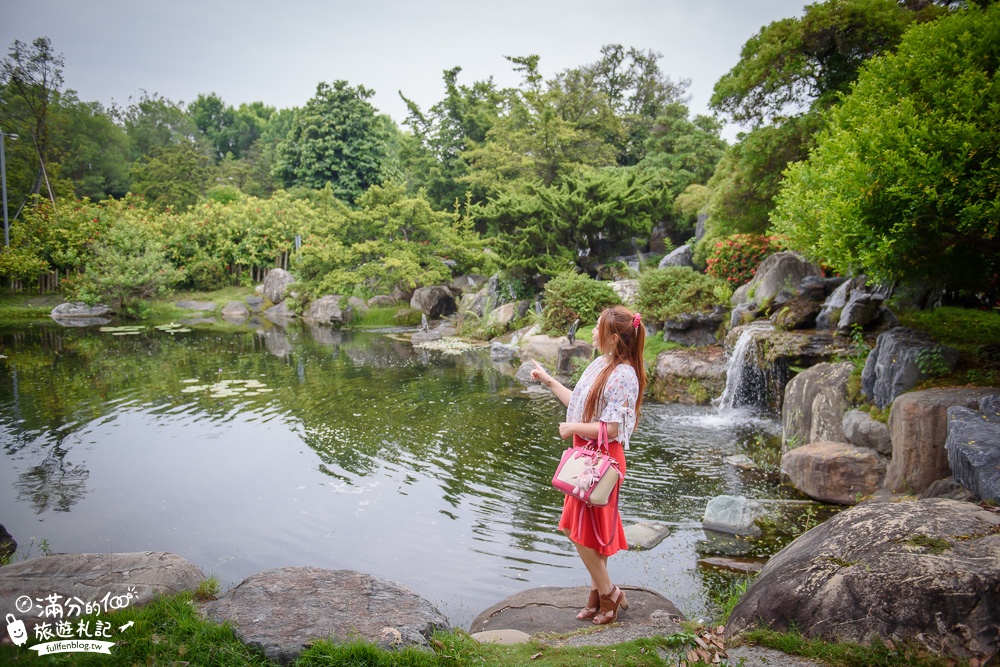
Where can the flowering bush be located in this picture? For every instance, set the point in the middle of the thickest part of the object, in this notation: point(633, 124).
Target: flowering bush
point(735, 258)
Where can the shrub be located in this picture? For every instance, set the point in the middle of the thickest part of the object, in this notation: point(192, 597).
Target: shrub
point(569, 296)
point(206, 275)
point(735, 258)
point(668, 292)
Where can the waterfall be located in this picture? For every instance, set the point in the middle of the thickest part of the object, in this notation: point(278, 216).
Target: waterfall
point(746, 379)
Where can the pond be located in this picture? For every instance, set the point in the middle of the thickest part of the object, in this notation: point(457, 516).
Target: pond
point(343, 450)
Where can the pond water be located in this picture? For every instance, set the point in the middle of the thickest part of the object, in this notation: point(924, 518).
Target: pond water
point(345, 450)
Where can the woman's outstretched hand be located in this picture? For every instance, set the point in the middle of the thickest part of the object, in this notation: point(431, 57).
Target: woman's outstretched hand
point(539, 374)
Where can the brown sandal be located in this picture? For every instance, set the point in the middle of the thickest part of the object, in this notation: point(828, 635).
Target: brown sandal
point(610, 604)
point(593, 606)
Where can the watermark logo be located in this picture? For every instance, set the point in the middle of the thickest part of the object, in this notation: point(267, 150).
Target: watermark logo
point(67, 624)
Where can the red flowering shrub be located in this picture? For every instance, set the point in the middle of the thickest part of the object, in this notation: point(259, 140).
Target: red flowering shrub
point(735, 258)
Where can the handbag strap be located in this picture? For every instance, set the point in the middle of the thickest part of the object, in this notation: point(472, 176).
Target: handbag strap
point(593, 521)
point(602, 438)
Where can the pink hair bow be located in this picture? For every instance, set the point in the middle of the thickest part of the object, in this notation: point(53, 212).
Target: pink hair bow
point(637, 320)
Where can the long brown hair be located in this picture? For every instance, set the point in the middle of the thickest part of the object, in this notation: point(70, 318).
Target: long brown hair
point(626, 349)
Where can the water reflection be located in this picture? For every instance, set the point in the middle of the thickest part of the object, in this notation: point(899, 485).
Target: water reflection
point(421, 467)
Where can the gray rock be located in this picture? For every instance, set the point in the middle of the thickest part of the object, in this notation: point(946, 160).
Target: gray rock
point(693, 375)
point(863, 431)
point(433, 302)
point(201, 306)
point(680, 256)
point(918, 426)
point(360, 306)
point(742, 313)
point(862, 310)
point(90, 577)
point(381, 301)
point(741, 461)
point(504, 315)
point(502, 351)
point(732, 514)
point(646, 534)
point(695, 329)
point(280, 611)
point(470, 283)
point(778, 277)
point(279, 314)
point(834, 305)
point(815, 403)
point(897, 571)
point(553, 610)
point(327, 310)
point(973, 446)
point(798, 313)
point(276, 283)
point(235, 310)
point(947, 488)
point(254, 303)
point(892, 366)
point(502, 637)
point(627, 290)
point(834, 472)
point(578, 349)
point(74, 309)
point(544, 349)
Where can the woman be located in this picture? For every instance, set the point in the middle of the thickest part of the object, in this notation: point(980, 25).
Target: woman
point(610, 391)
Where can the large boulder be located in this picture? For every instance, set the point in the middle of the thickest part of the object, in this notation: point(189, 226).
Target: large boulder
point(695, 329)
point(281, 611)
point(694, 375)
point(235, 310)
point(815, 403)
point(79, 314)
point(863, 431)
point(918, 426)
point(130, 579)
point(732, 514)
point(627, 290)
point(469, 283)
point(778, 277)
point(381, 301)
point(435, 301)
point(276, 283)
point(327, 310)
point(474, 302)
point(894, 364)
point(543, 349)
point(798, 313)
point(974, 447)
point(79, 309)
point(503, 316)
point(679, 256)
point(834, 472)
point(924, 570)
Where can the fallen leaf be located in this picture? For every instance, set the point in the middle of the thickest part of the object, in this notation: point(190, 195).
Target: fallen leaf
point(692, 656)
point(720, 630)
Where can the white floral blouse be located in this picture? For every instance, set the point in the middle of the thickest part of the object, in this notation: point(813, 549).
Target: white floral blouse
point(617, 405)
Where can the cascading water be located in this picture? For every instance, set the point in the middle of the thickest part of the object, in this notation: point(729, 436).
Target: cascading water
point(746, 378)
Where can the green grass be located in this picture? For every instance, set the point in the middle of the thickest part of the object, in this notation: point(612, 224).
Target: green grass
point(844, 654)
point(382, 316)
point(974, 333)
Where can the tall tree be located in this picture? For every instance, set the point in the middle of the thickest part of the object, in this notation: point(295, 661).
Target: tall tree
point(335, 139)
point(31, 78)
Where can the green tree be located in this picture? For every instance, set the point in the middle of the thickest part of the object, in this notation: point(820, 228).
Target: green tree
point(174, 177)
point(904, 183)
point(30, 80)
point(588, 216)
point(461, 120)
point(92, 151)
point(335, 139)
point(154, 123)
point(129, 265)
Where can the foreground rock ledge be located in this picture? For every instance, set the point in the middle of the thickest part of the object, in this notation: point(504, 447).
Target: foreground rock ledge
point(927, 570)
point(90, 576)
point(553, 611)
point(281, 611)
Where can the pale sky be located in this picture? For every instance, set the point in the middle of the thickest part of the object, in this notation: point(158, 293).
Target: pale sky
point(276, 52)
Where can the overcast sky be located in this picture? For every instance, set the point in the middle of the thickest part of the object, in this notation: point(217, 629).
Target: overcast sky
point(276, 52)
